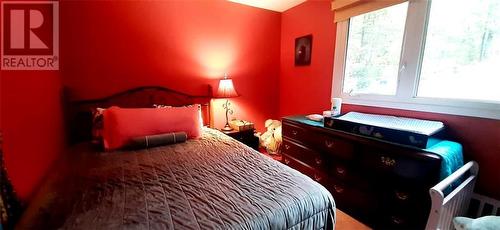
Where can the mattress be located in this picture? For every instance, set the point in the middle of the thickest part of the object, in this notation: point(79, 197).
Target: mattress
point(214, 182)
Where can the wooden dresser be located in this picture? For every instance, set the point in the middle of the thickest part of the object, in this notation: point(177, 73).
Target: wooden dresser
point(382, 184)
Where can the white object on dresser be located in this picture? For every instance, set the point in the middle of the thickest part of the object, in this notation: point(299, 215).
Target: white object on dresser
point(315, 117)
point(336, 106)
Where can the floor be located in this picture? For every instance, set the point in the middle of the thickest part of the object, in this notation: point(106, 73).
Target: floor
point(345, 221)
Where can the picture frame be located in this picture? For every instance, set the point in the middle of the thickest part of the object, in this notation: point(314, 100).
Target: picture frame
point(303, 50)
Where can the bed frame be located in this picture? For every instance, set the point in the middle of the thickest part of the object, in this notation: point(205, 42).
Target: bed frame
point(78, 113)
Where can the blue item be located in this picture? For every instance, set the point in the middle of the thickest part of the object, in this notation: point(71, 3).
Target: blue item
point(451, 154)
point(452, 159)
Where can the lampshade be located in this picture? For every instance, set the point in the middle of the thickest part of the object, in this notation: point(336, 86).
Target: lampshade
point(226, 89)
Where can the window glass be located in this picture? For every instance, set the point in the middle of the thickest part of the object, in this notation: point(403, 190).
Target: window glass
point(462, 51)
point(373, 51)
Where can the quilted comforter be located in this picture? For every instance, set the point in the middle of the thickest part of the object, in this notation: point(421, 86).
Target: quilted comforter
point(214, 182)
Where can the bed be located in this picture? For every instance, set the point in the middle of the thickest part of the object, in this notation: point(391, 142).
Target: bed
point(213, 182)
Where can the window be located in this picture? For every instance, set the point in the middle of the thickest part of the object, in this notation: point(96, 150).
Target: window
point(437, 57)
point(462, 51)
point(373, 49)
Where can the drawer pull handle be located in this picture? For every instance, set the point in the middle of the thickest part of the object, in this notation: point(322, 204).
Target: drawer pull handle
point(338, 188)
point(328, 143)
point(318, 160)
point(317, 177)
point(396, 220)
point(287, 147)
point(340, 170)
point(387, 161)
point(294, 132)
point(287, 161)
point(402, 195)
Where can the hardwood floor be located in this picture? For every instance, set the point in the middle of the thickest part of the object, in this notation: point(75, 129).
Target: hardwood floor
point(346, 222)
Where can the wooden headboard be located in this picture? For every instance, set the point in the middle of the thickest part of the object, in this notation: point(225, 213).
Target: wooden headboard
point(79, 112)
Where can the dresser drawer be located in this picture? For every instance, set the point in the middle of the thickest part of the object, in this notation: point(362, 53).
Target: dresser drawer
point(356, 202)
point(345, 172)
point(337, 147)
point(407, 199)
point(295, 132)
point(402, 197)
point(348, 198)
point(347, 195)
point(303, 154)
point(314, 174)
point(401, 166)
point(396, 220)
point(408, 218)
point(319, 141)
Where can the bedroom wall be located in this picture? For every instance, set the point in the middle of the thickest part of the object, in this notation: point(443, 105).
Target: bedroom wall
point(302, 86)
point(1, 102)
point(480, 137)
point(107, 47)
point(31, 126)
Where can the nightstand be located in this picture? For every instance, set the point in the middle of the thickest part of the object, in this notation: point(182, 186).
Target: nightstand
point(246, 137)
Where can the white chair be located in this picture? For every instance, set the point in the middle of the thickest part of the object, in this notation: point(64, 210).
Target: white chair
point(456, 203)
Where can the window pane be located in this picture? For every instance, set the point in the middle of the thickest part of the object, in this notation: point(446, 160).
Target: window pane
point(462, 51)
point(373, 51)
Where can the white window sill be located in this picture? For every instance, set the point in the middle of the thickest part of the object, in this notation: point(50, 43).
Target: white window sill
point(434, 105)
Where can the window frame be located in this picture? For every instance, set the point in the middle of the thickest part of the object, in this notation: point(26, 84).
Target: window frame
point(409, 72)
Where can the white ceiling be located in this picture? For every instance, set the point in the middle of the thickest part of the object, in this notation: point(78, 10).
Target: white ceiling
point(275, 5)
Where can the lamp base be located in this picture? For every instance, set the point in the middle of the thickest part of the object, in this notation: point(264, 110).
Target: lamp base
point(227, 128)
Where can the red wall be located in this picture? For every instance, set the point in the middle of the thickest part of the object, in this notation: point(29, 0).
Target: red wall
point(31, 124)
point(108, 46)
point(1, 114)
point(305, 90)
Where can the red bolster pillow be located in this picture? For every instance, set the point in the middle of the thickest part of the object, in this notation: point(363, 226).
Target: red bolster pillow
point(122, 124)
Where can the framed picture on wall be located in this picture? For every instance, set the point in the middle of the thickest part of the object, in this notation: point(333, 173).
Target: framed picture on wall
point(303, 49)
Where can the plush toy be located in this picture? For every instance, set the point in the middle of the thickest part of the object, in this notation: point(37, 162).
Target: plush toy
point(482, 223)
point(271, 139)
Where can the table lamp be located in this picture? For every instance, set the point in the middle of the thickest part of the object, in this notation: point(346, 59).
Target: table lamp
point(226, 90)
